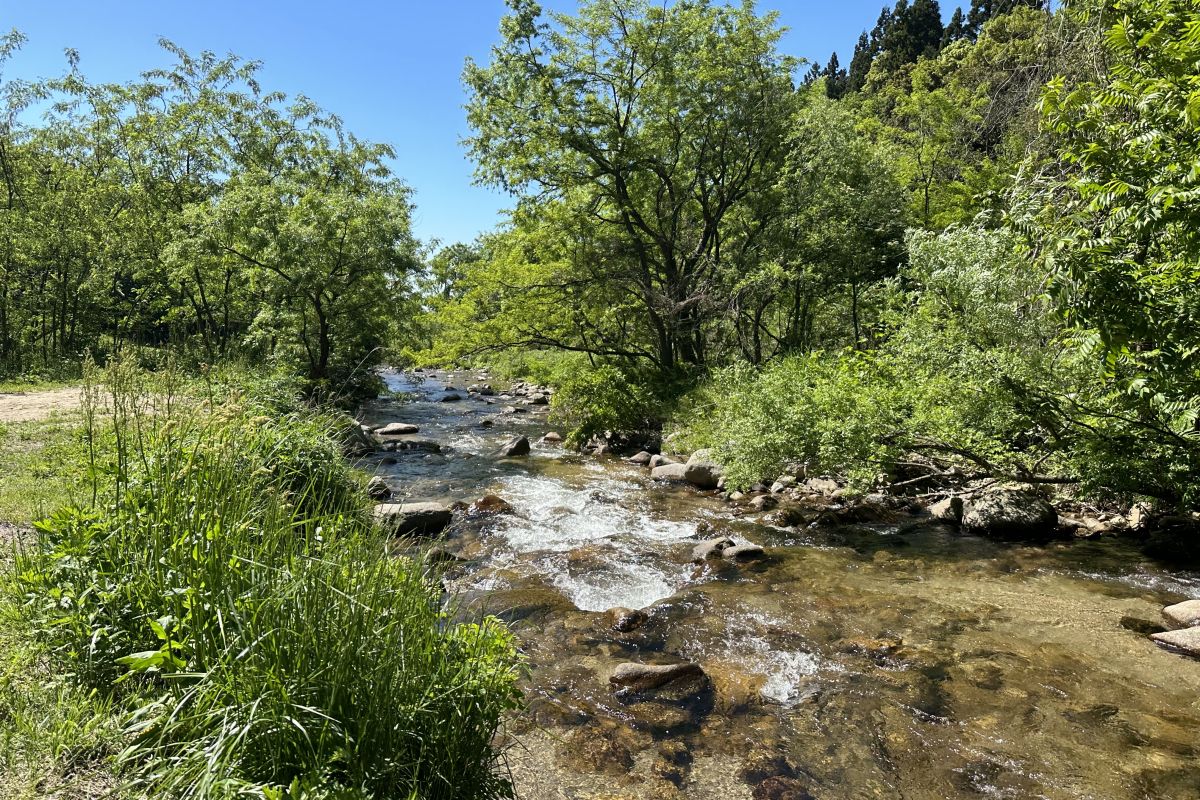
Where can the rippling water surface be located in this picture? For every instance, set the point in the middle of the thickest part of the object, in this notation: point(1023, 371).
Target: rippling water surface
point(888, 661)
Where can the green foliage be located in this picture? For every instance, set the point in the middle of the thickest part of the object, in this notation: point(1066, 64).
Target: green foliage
point(192, 210)
point(229, 588)
point(944, 392)
point(607, 399)
point(641, 177)
point(1117, 219)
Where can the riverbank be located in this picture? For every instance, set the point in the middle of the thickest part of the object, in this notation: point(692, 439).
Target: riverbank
point(896, 657)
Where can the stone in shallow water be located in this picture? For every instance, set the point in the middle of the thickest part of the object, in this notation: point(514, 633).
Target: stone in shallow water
point(397, 429)
point(517, 446)
point(743, 552)
point(377, 489)
point(1185, 641)
point(648, 677)
point(488, 505)
point(711, 548)
point(407, 518)
point(1183, 615)
point(676, 473)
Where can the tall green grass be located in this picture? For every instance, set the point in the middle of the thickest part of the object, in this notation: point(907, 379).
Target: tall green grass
point(227, 586)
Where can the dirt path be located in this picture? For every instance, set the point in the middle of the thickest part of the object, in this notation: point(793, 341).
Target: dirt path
point(25, 406)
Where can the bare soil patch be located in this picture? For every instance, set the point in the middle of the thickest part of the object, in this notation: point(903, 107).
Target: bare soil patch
point(26, 406)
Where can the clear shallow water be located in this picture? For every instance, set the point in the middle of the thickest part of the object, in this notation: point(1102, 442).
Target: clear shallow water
point(857, 662)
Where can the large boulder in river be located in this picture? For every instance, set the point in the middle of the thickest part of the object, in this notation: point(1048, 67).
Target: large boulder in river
point(702, 471)
point(1186, 641)
point(403, 519)
point(676, 473)
point(517, 446)
point(1010, 514)
point(949, 510)
point(1183, 615)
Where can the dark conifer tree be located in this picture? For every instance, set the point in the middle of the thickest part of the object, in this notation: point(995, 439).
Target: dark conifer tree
point(860, 64)
point(835, 78)
point(956, 29)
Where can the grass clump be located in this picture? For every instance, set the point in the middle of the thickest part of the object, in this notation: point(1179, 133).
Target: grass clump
point(227, 591)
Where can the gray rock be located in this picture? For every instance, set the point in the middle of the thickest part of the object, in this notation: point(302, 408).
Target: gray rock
point(450, 398)
point(670, 472)
point(661, 461)
point(517, 446)
point(1186, 641)
point(424, 445)
point(423, 519)
point(1183, 615)
point(648, 677)
point(826, 486)
point(513, 410)
point(704, 474)
point(1009, 513)
point(782, 483)
point(713, 548)
point(397, 429)
point(641, 459)
point(377, 489)
point(624, 620)
point(552, 438)
point(949, 510)
point(764, 502)
point(743, 552)
point(538, 399)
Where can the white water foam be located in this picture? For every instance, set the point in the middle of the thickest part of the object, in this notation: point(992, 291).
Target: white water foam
point(620, 560)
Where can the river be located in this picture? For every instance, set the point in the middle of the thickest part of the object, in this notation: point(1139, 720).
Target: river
point(872, 661)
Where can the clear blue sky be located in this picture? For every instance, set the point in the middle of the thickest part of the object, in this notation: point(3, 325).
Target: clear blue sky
point(389, 69)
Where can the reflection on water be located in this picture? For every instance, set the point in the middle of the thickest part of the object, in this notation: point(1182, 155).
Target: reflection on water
point(855, 662)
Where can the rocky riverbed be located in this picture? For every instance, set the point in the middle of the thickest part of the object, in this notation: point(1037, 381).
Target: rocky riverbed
point(853, 656)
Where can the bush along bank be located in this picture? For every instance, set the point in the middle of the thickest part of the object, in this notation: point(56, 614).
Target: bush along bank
point(229, 594)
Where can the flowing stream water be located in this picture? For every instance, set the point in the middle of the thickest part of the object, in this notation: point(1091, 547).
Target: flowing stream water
point(874, 661)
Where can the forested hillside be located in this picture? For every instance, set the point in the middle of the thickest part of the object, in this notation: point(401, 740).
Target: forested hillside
point(967, 254)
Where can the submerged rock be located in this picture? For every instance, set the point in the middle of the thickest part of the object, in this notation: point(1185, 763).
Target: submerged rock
point(489, 505)
point(517, 446)
point(423, 519)
point(649, 677)
point(1183, 615)
point(1009, 513)
point(450, 398)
